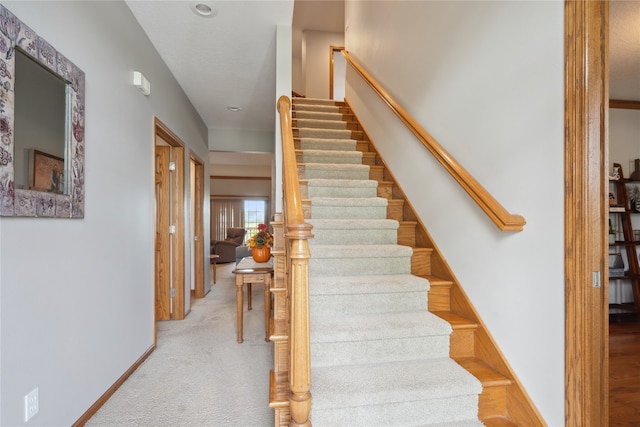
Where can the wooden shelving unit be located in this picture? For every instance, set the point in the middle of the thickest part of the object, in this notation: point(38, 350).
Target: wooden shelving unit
point(621, 214)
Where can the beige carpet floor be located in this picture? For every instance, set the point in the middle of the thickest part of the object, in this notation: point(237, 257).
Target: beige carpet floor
point(199, 375)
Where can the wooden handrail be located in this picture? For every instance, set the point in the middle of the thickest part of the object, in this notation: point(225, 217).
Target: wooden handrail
point(494, 210)
point(297, 234)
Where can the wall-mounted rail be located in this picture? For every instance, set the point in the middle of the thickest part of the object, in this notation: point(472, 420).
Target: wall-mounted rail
point(504, 220)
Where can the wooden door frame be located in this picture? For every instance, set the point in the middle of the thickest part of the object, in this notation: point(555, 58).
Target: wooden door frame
point(586, 213)
point(161, 247)
point(198, 229)
point(332, 49)
point(178, 214)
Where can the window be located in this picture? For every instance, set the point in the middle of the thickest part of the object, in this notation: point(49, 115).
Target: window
point(254, 214)
point(237, 212)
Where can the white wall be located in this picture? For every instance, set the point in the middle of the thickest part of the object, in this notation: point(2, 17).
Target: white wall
point(624, 138)
point(241, 187)
point(76, 296)
point(316, 56)
point(283, 88)
point(486, 80)
point(239, 140)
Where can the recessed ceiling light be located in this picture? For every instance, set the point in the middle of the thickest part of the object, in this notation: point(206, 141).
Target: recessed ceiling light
point(204, 9)
point(234, 108)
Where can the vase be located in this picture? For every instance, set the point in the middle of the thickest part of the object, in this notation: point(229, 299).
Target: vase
point(262, 254)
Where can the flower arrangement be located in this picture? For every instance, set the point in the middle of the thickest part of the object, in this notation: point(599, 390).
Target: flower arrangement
point(262, 238)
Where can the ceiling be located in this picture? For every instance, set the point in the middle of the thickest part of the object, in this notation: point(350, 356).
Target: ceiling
point(228, 58)
point(624, 50)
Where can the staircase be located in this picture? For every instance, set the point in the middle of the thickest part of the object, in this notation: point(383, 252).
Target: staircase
point(386, 348)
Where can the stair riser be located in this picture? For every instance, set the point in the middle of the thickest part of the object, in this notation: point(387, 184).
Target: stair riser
point(317, 115)
point(355, 352)
point(339, 192)
point(319, 124)
point(323, 108)
point(334, 173)
point(299, 101)
point(330, 157)
point(330, 145)
point(445, 410)
point(354, 237)
point(323, 133)
point(369, 303)
point(318, 108)
point(358, 266)
point(347, 212)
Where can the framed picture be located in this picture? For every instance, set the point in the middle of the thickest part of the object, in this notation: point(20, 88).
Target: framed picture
point(48, 172)
point(633, 194)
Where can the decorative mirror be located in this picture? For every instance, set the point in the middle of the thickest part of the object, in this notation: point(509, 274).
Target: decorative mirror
point(41, 126)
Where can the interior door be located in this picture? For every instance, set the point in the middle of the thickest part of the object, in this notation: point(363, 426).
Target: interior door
point(171, 288)
point(197, 238)
point(163, 243)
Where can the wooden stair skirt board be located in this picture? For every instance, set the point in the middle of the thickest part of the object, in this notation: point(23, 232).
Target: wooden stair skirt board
point(502, 401)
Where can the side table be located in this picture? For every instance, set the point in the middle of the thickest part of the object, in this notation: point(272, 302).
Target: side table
point(248, 272)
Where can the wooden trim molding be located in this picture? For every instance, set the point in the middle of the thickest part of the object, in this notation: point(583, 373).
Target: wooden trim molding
point(586, 210)
point(163, 132)
point(111, 390)
point(297, 234)
point(624, 104)
point(489, 205)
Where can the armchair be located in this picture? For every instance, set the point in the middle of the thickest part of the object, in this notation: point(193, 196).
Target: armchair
point(226, 249)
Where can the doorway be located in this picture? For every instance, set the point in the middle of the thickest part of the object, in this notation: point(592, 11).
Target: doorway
point(169, 272)
point(196, 185)
point(586, 208)
point(337, 73)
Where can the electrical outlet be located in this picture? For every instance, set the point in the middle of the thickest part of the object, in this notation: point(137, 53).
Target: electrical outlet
point(31, 404)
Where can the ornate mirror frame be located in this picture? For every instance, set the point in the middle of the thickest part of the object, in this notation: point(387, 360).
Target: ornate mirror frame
point(30, 203)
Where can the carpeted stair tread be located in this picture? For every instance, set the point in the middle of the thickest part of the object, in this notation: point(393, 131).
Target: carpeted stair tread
point(407, 347)
point(391, 382)
point(350, 327)
point(354, 231)
point(320, 124)
point(332, 172)
point(368, 294)
point(388, 283)
point(324, 133)
point(459, 423)
point(340, 201)
point(320, 115)
point(328, 144)
point(353, 260)
point(331, 156)
point(341, 183)
point(341, 191)
point(340, 208)
point(354, 224)
point(310, 107)
point(447, 411)
point(356, 251)
point(312, 101)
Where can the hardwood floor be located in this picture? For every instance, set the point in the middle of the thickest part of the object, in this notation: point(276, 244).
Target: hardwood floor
point(624, 373)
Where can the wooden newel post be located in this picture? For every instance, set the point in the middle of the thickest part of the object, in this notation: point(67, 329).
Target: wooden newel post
point(300, 370)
